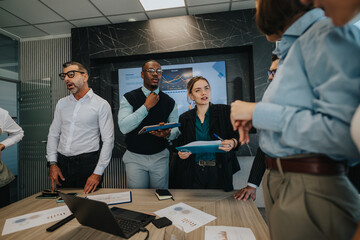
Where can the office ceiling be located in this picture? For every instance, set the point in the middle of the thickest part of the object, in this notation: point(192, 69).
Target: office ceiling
point(41, 18)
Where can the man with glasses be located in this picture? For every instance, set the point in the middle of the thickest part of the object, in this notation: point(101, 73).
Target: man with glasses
point(273, 67)
point(73, 144)
point(147, 158)
point(258, 167)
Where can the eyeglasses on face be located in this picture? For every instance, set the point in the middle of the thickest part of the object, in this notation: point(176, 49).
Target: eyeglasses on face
point(271, 72)
point(152, 71)
point(70, 74)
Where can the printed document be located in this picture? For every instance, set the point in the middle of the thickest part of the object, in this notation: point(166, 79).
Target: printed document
point(30, 220)
point(113, 198)
point(227, 233)
point(187, 217)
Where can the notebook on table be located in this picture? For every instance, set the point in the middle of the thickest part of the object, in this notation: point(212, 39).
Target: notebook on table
point(95, 214)
point(163, 194)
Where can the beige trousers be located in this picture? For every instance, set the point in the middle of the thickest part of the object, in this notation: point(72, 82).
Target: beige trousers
point(305, 207)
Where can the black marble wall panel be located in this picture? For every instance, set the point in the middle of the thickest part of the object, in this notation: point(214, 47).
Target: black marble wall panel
point(100, 48)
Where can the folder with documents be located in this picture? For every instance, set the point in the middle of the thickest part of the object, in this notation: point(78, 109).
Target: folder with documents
point(201, 147)
point(150, 128)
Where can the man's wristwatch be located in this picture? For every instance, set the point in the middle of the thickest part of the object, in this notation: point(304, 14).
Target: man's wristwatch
point(51, 163)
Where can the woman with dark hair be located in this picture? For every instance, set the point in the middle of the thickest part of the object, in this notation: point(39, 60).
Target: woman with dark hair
point(304, 124)
point(206, 170)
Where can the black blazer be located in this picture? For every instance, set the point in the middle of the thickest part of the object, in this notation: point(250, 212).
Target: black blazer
point(258, 168)
point(226, 163)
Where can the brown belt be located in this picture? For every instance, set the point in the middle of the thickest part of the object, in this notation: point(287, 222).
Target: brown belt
point(321, 165)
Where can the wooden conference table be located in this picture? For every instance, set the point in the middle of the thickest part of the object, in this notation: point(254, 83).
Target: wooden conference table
point(228, 212)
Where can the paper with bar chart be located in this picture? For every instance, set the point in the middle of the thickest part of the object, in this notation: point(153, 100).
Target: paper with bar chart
point(187, 217)
point(228, 233)
point(30, 220)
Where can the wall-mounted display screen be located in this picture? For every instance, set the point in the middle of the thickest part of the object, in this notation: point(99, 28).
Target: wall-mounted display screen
point(229, 71)
point(174, 79)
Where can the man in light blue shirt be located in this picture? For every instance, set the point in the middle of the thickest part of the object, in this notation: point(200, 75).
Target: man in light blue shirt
point(342, 13)
point(147, 158)
point(304, 120)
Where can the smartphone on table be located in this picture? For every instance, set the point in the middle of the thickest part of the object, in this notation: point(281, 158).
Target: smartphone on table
point(48, 194)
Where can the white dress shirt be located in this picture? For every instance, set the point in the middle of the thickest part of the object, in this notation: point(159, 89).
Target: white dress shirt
point(9, 126)
point(355, 128)
point(77, 127)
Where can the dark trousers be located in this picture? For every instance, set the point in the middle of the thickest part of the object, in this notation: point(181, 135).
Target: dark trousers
point(206, 177)
point(5, 195)
point(77, 169)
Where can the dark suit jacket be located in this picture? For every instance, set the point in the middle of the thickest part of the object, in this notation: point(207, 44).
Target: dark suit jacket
point(226, 163)
point(258, 168)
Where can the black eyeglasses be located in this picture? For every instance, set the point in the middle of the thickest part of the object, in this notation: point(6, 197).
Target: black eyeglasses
point(70, 74)
point(152, 71)
point(271, 72)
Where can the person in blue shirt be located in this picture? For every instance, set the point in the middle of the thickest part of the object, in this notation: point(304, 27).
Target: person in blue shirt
point(342, 13)
point(205, 170)
point(147, 157)
point(258, 167)
point(304, 122)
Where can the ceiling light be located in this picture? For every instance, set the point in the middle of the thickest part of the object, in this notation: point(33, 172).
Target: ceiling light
point(150, 5)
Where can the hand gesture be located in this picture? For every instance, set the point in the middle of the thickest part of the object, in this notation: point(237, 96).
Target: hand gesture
point(163, 133)
point(241, 110)
point(241, 119)
point(227, 145)
point(151, 101)
point(54, 174)
point(245, 193)
point(244, 129)
point(184, 155)
point(92, 183)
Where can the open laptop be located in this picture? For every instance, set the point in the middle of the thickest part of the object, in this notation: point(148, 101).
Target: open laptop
point(98, 215)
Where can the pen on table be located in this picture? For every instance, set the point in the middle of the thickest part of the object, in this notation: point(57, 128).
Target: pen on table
point(217, 136)
point(60, 223)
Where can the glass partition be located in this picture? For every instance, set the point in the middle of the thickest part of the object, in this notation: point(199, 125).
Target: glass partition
point(8, 101)
point(9, 58)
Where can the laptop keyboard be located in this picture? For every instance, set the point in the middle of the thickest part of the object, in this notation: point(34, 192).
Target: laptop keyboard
point(128, 226)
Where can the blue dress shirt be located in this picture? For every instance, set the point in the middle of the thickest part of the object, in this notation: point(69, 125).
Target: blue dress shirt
point(309, 105)
point(128, 120)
